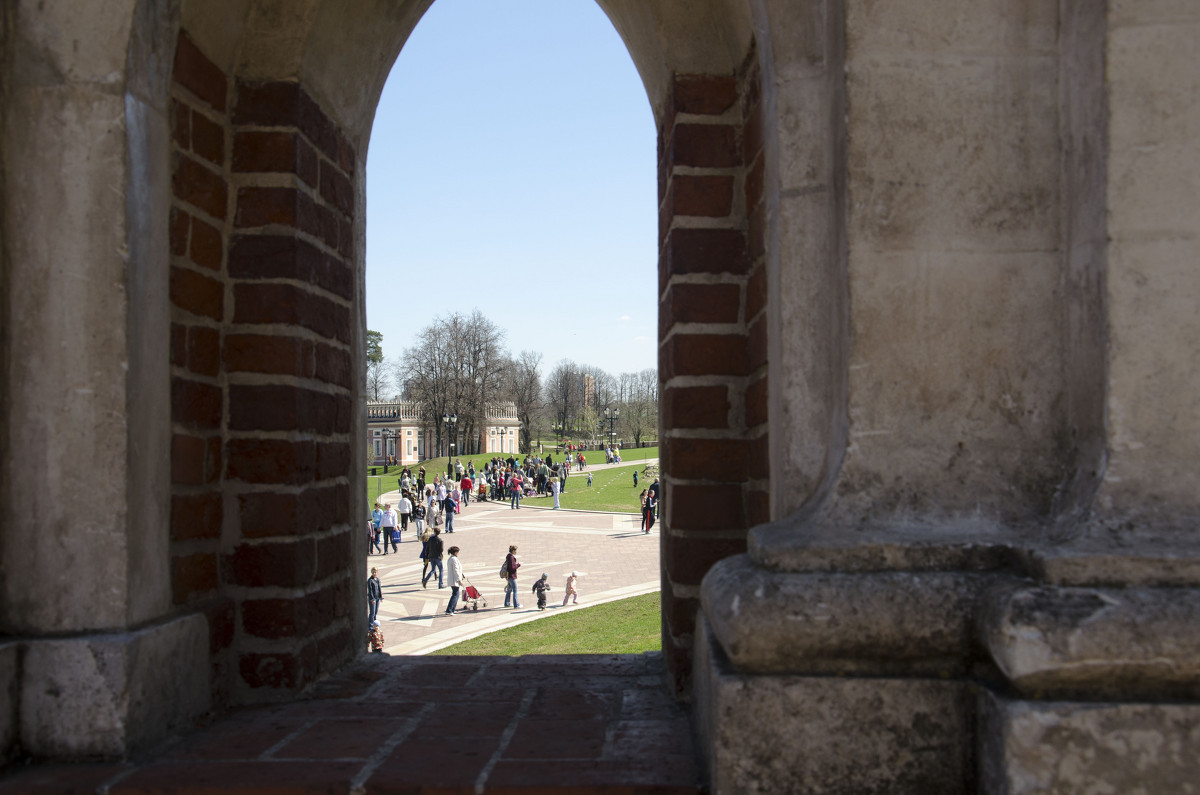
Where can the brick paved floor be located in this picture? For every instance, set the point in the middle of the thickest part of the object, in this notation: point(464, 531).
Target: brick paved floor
point(615, 558)
point(428, 725)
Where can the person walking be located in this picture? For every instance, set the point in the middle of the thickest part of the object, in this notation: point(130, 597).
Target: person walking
point(510, 589)
point(540, 587)
point(466, 485)
point(373, 536)
point(451, 509)
point(387, 526)
point(405, 511)
point(654, 491)
point(514, 486)
point(424, 539)
point(648, 512)
point(456, 579)
point(433, 554)
point(571, 588)
point(374, 595)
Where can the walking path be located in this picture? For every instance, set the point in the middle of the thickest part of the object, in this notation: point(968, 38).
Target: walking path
point(614, 558)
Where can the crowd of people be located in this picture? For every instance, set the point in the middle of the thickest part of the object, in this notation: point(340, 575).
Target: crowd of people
point(429, 508)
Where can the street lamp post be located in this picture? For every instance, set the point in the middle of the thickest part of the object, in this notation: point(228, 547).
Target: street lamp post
point(558, 429)
point(611, 415)
point(387, 433)
point(450, 421)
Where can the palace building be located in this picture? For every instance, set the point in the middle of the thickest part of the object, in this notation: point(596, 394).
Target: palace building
point(403, 433)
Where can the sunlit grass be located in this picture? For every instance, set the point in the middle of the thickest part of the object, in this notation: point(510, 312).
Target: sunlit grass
point(629, 626)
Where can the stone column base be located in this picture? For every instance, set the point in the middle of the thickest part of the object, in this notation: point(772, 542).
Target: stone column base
point(104, 696)
point(826, 734)
point(1053, 748)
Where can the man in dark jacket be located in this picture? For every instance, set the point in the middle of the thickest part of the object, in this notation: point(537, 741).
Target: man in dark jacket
point(434, 556)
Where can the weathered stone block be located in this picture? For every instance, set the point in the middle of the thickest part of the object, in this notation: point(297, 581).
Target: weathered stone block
point(108, 695)
point(887, 622)
point(1066, 748)
point(1093, 641)
point(808, 734)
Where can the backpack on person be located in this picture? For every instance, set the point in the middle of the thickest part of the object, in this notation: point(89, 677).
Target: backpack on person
point(504, 569)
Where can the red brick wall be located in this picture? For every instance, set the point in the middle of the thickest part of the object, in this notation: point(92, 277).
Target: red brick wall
point(712, 333)
point(261, 289)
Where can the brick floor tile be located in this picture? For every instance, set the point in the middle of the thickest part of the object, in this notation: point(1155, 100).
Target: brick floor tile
point(641, 739)
point(246, 735)
point(575, 704)
point(446, 674)
point(557, 739)
point(645, 703)
point(250, 778)
point(433, 764)
point(406, 691)
point(343, 738)
point(474, 719)
point(302, 711)
point(58, 779)
point(579, 776)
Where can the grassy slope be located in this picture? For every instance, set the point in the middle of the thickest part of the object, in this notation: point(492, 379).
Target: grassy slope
point(630, 626)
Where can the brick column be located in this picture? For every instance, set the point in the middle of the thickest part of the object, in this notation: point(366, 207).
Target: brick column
point(286, 353)
point(712, 332)
point(262, 285)
point(198, 233)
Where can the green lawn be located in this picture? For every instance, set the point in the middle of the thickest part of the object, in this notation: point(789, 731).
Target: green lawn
point(375, 487)
point(611, 490)
point(629, 626)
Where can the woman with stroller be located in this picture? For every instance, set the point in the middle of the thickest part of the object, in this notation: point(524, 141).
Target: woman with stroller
point(456, 580)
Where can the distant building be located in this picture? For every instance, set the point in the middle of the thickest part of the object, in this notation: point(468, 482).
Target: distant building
point(404, 433)
point(589, 390)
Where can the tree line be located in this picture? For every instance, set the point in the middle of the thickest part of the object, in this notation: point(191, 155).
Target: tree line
point(459, 364)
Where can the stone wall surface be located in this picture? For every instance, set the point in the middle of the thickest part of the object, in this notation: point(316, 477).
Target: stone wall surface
point(1153, 404)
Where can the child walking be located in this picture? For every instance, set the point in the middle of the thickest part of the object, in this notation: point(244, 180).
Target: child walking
point(375, 638)
point(571, 588)
point(540, 587)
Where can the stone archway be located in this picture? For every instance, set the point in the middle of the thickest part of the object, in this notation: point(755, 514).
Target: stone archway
point(270, 121)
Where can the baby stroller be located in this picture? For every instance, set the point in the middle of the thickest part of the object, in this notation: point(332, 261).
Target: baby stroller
point(471, 597)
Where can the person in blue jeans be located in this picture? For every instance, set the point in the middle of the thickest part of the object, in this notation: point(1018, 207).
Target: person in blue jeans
point(456, 580)
point(515, 488)
point(433, 554)
point(374, 595)
point(510, 588)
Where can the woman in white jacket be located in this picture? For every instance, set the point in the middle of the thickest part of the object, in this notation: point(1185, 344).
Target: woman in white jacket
point(456, 579)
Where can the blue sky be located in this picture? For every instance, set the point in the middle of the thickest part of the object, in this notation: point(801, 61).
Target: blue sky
point(512, 169)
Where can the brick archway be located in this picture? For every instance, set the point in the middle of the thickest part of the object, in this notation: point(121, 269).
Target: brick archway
point(267, 322)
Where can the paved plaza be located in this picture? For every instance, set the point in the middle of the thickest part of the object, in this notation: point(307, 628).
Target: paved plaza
point(614, 558)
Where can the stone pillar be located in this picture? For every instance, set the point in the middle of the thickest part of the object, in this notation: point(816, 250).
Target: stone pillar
point(983, 574)
point(84, 552)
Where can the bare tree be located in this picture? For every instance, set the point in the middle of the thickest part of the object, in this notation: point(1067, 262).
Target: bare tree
point(525, 390)
point(564, 392)
point(639, 413)
point(457, 367)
